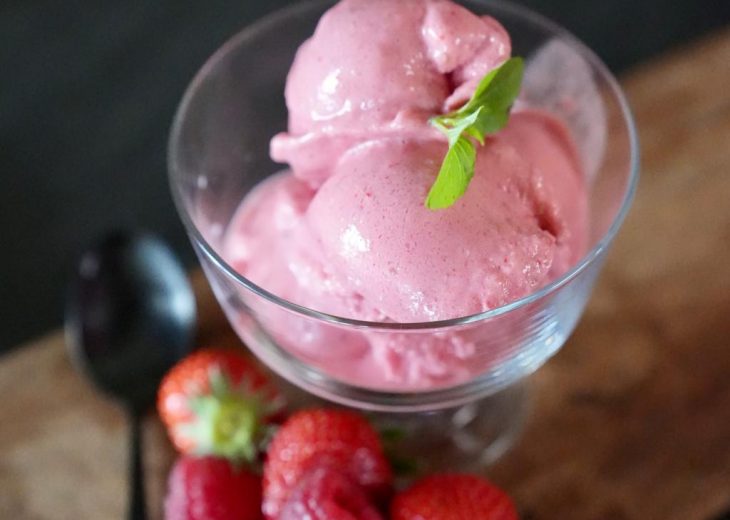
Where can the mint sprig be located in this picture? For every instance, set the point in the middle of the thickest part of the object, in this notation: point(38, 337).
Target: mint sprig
point(485, 113)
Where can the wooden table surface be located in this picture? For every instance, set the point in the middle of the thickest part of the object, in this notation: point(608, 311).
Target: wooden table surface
point(631, 419)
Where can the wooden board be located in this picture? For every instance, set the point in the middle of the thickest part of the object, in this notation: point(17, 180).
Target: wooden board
point(631, 419)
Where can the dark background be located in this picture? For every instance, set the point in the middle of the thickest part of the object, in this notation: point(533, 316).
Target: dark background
point(88, 91)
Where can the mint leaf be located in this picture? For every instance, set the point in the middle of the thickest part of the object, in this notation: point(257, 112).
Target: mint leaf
point(498, 89)
point(473, 103)
point(460, 126)
point(455, 174)
point(485, 113)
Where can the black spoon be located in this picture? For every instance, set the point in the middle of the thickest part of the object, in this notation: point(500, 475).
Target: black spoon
point(130, 315)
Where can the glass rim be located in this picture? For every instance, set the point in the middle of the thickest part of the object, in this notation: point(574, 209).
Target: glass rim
point(273, 18)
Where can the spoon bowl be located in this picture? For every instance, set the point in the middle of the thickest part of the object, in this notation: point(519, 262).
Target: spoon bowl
point(130, 316)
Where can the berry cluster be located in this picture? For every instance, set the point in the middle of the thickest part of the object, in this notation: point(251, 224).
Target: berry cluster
point(227, 421)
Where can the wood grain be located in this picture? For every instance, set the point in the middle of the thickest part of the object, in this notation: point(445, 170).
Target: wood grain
point(631, 419)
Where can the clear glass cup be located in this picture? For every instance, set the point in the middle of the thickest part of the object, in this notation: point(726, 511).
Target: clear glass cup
point(219, 151)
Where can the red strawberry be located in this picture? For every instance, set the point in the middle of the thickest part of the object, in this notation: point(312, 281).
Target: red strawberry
point(324, 493)
point(209, 488)
point(452, 497)
point(340, 439)
point(214, 403)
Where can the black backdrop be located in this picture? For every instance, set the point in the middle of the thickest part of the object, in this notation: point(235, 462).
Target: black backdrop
point(88, 90)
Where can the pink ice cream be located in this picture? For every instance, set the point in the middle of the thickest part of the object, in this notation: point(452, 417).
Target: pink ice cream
point(379, 67)
point(346, 232)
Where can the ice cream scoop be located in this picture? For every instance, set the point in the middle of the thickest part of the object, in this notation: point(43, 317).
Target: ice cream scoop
point(378, 67)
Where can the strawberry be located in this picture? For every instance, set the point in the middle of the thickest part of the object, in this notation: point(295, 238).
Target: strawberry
point(325, 493)
point(452, 497)
point(337, 438)
point(209, 488)
point(214, 402)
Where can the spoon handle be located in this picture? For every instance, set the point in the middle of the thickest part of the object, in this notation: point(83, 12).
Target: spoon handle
point(137, 502)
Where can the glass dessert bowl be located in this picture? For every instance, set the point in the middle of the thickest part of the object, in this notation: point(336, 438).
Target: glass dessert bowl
point(473, 401)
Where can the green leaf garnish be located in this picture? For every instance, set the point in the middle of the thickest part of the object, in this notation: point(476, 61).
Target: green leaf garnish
point(455, 175)
point(485, 113)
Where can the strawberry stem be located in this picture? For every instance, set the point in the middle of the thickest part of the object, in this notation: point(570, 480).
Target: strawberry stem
point(227, 422)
